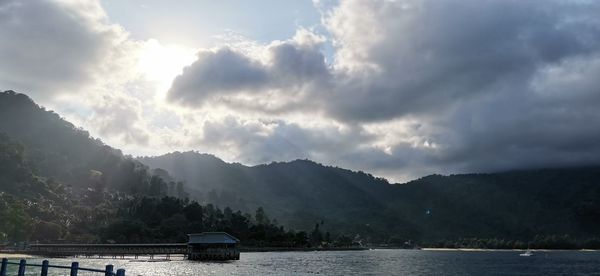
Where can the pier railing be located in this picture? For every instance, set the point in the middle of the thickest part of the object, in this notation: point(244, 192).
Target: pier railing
point(45, 266)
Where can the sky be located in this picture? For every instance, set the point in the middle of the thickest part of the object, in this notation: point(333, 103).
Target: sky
point(399, 89)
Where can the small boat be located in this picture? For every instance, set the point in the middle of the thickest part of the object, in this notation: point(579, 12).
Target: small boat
point(527, 253)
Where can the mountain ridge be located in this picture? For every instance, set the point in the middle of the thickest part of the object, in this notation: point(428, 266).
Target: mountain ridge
point(434, 207)
point(550, 206)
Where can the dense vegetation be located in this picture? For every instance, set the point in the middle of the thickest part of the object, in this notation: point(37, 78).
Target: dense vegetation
point(519, 205)
point(514, 207)
point(59, 184)
point(38, 209)
point(59, 151)
point(297, 193)
point(169, 219)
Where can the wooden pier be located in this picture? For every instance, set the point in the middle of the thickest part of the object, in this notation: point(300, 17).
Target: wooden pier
point(205, 246)
point(45, 267)
point(111, 250)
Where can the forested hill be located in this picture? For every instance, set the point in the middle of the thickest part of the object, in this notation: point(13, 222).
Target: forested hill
point(60, 151)
point(436, 210)
point(510, 205)
point(297, 193)
point(58, 183)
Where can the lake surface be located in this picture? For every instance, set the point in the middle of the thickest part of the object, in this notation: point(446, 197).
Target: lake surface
point(373, 262)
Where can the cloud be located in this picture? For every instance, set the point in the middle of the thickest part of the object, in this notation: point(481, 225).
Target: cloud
point(489, 85)
point(217, 73)
point(399, 58)
point(52, 47)
point(398, 88)
point(68, 57)
point(256, 141)
point(121, 119)
point(411, 57)
point(284, 70)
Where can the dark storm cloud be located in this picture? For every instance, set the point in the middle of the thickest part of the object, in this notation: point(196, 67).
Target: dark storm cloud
point(431, 55)
point(522, 131)
point(495, 84)
point(404, 57)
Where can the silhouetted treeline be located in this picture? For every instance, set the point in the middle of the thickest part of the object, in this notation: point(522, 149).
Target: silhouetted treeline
point(538, 242)
point(169, 219)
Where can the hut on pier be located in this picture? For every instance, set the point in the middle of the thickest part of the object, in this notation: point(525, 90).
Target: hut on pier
point(213, 246)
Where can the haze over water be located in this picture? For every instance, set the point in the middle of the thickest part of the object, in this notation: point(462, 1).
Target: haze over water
point(375, 262)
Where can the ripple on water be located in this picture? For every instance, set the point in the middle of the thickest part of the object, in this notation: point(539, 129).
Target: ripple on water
point(376, 262)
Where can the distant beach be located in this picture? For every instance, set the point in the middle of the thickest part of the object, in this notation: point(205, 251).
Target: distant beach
point(489, 249)
point(15, 256)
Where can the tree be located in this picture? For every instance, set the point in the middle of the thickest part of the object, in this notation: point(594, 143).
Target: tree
point(46, 231)
point(158, 187)
point(193, 212)
point(301, 239)
point(181, 193)
point(260, 216)
point(316, 237)
point(15, 224)
point(227, 213)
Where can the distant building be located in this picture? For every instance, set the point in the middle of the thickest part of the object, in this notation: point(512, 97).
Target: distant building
point(213, 246)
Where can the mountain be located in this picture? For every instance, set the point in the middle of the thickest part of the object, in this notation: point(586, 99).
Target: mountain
point(436, 209)
point(516, 205)
point(298, 193)
point(60, 151)
point(58, 183)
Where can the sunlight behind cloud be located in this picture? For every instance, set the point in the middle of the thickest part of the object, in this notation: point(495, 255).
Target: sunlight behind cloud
point(161, 63)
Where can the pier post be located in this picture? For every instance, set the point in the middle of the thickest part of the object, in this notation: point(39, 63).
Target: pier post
point(3, 267)
point(109, 270)
point(45, 264)
point(22, 265)
point(74, 268)
point(121, 272)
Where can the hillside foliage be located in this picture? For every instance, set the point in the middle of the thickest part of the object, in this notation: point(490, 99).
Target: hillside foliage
point(57, 183)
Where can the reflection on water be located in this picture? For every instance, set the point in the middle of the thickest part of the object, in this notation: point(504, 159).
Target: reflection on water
point(375, 262)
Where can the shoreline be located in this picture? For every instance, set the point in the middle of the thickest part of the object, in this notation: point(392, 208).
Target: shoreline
point(441, 249)
point(299, 249)
point(512, 250)
point(15, 256)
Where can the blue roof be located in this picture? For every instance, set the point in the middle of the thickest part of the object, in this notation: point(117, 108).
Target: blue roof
point(212, 238)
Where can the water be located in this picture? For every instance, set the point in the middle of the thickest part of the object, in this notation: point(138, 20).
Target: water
point(375, 262)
